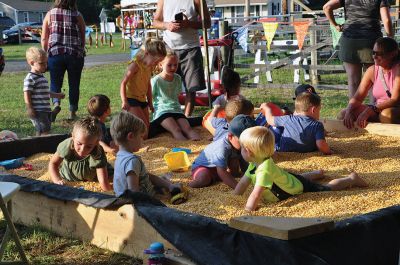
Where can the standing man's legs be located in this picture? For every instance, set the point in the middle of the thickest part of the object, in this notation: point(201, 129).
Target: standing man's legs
point(74, 68)
point(192, 72)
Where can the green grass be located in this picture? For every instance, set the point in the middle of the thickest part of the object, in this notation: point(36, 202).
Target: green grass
point(17, 52)
point(44, 247)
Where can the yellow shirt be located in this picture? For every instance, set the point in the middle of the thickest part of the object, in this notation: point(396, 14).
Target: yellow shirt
point(137, 86)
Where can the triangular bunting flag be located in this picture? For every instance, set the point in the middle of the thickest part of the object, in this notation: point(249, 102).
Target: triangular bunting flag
point(301, 29)
point(269, 31)
point(336, 34)
point(243, 34)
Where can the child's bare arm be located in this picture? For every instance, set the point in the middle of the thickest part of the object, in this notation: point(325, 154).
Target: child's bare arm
point(107, 148)
point(268, 114)
point(28, 104)
point(132, 70)
point(323, 147)
point(150, 98)
point(133, 181)
point(254, 198)
point(226, 177)
point(207, 122)
point(242, 185)
point(102, 177)
point(57, 95)
point(54, 165)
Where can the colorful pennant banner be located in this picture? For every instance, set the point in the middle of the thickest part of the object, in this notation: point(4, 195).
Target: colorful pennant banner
point(243, 34)
point(269, 31)
point(336, 34)
point(301, 29)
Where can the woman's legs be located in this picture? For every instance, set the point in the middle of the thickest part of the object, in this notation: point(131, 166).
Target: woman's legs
point(354, 72)
point(57, 70)
point(74, 67)
point(188, 130)
point(173, 127)
point(390, 115)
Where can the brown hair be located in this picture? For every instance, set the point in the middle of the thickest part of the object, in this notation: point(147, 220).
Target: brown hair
point(89, 125)
point(66, 4)
point(124, 123)
point(154, 47)
point(235, 107)
point(388, 45)
point(98, 105)
point(305, 101)
point(231, 82)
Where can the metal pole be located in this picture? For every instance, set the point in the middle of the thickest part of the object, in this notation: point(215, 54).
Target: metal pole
point(247, 8)
point(205, 44)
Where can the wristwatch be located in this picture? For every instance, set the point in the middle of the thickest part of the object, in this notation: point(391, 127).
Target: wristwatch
point(374, 108)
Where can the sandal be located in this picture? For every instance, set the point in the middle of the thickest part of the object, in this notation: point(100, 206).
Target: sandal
point(179, 195)
point(54, 113)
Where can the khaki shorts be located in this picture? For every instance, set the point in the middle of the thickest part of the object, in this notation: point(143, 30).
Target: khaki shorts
point(191, 69)
point(356, 51)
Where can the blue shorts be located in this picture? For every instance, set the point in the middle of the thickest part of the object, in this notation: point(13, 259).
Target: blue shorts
point(42, 122)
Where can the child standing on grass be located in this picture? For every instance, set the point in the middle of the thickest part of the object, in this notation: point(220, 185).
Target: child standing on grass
point(220, 160)
point(166, 87)
point(135, 87)
point(302, 131)
point(81, 158)
point(130, 172)
point(37, 93)
point(99, 107)
point(272, 183)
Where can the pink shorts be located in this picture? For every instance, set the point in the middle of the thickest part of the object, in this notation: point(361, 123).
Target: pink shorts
point(211, 172)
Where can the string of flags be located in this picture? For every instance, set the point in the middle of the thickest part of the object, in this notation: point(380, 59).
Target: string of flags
point(270, 28)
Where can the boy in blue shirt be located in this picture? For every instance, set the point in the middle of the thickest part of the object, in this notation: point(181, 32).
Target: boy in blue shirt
point(219, 161)
point(302, 132)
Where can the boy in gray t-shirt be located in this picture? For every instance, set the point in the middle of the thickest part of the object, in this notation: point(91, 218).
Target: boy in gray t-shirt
point(219, 161)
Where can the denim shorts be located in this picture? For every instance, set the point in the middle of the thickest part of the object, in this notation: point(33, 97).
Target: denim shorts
point(42, 121)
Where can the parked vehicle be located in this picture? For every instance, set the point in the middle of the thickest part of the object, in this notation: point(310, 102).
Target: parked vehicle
point(6, 23)
point(11, 35)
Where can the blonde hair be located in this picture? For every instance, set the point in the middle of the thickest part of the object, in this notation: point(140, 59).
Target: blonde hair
point(35, 54)
point(170, 53)
point(260, 141)
point(98, 105)
point(235, 107)
point(305, 101)
point(125, 123)
point(89, 125)
point(154, 47)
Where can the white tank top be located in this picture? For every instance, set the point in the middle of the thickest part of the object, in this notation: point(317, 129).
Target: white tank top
point(184, 39)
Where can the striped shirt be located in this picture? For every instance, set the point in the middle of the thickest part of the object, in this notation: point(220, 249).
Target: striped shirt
point(40, 93)
point(65, 37)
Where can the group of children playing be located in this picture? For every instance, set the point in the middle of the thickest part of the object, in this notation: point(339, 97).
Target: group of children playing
point(240, 147)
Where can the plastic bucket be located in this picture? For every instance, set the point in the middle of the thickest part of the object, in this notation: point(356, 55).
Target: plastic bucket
point(177, 161)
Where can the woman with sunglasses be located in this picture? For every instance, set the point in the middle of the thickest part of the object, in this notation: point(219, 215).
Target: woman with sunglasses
point(359, 33)
point(383, 78)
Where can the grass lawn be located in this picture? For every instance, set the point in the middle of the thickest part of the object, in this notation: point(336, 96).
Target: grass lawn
point(17, 52)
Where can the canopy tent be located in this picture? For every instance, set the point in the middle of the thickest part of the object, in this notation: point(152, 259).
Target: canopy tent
point(129, 3)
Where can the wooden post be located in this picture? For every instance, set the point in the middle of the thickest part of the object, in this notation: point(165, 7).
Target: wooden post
point(247, 9)
point(314, 54)
point(205, 44)
point(223, 30)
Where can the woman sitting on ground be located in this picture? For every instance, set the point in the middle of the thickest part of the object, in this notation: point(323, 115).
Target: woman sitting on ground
point(384, 79)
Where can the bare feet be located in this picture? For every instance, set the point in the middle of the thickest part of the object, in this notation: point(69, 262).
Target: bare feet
point(357, 181)
point(194, 136)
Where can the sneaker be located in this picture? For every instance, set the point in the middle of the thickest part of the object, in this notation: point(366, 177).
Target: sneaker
point(72, 116)
point(54, 113)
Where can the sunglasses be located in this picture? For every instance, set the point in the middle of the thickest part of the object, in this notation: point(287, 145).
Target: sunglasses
point(376, 53)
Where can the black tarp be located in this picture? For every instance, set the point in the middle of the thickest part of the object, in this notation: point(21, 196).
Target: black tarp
point(370, 239)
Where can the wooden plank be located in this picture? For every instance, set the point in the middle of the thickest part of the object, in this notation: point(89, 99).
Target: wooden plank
point(373, 128)
point(121, 230)
point(281, 227)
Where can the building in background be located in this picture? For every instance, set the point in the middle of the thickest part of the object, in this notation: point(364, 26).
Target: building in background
point(24, 11)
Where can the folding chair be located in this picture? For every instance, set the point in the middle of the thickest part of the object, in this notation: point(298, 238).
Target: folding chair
point(7, 191)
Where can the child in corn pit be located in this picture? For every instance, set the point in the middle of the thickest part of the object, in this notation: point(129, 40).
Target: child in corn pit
point(271, 183)
point(80, 157)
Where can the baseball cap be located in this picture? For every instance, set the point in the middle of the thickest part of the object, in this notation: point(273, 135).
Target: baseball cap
point(304, 88)
point(240, 123)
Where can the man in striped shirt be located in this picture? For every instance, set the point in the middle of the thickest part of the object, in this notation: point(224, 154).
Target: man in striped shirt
point(37, 93)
